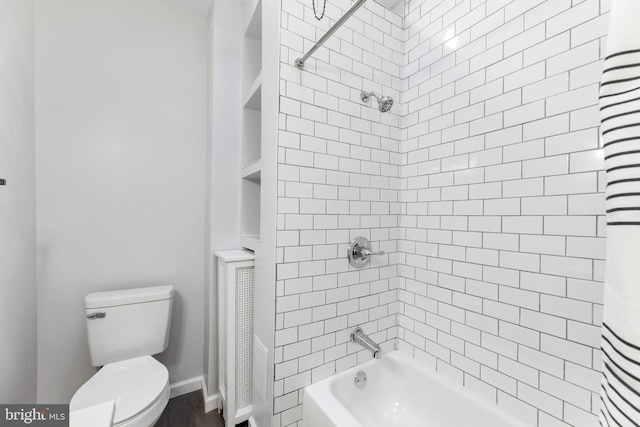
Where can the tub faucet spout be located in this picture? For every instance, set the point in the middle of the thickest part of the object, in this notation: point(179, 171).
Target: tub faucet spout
point(359, 337)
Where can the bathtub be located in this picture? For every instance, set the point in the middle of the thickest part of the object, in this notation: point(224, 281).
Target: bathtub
point(398, 391)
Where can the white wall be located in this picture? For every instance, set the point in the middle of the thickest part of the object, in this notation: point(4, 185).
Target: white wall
point(223, 187)
point(121, 155)
point(503, 238)
point(338, 177)
point(500, 237)
point(18, 311)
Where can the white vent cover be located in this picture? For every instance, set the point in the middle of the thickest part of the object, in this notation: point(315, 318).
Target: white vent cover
point(244, 336)
point(235, 334)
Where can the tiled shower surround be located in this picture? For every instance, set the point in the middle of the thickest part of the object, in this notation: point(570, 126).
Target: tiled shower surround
point(483, 184)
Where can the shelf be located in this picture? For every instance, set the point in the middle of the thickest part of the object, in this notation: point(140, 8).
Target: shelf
point(250, 241)
point(253, 96)
point(253, 28)
point(252, 171)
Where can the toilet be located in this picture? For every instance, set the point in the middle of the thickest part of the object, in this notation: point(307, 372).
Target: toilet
point(125, 328)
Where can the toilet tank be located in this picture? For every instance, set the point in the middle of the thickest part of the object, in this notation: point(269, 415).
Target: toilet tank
point(128, 323)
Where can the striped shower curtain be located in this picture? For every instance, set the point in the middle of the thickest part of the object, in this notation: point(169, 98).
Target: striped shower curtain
point(620, 128)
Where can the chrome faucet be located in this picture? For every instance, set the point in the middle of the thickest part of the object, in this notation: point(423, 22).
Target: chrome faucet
point(359, 337)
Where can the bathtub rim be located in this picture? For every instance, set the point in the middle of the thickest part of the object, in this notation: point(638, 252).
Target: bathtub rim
point(338, 414)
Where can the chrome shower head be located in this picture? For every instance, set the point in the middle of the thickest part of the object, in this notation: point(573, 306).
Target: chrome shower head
point(384, 102)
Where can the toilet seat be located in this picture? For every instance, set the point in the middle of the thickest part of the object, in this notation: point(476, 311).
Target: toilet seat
point(139, 387)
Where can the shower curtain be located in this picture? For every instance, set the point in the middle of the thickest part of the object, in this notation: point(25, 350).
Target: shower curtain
point(620, 130)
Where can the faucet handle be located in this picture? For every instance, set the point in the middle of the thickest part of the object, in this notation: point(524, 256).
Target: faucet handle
point(367, 253)
point(359, 252)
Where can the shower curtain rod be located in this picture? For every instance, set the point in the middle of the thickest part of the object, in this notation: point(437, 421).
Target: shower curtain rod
point(299, 63)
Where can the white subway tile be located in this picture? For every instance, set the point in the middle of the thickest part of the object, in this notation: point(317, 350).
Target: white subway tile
point(546, 10)
point(550, 126)
point(578, 417)
point(586, 247)
point(520, 261)
point(568, 101)
point(522, 224)
point(586, 334)
point(503, 102)
point(547, 88)
point(486, 91)
point(500, 68)
point(502, 276)
point(542, 361)
point(546, 402)
point(570, 225)
point(546, 205)
point(585, 290)
point(571, 184)
point(565, 391)
point(573, 17)
point(547, 49)
point(578, 268)
point(499, 380)
point(585, 161)
point(545, 323)
point(518, 334)
point(556, 165)
point(572, 142)
point(519, 371)
point(552, 245)
point(483, 184)
point(508, 242)
point(503, 137)
point(508, 312)
point(524, 114)
point(502, 207)
point(525, 76)
point(492, 22)
point(566, 308)
point(524, 40)
point(486, 124)
point(574, 58)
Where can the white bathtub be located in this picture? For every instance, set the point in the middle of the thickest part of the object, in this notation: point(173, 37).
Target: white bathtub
point(398, 392)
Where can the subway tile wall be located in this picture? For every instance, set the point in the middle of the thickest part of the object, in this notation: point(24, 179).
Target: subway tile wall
point(483, 185)
point(502, 227)
point(338, 177)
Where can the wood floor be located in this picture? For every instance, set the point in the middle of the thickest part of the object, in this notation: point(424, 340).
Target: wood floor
point(188, 411)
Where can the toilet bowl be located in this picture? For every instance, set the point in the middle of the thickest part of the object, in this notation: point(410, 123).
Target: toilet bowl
point(139, 387)
point(125, 328)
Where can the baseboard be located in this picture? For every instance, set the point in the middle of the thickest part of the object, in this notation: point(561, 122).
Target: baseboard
point(210, 402)
point(186, 386)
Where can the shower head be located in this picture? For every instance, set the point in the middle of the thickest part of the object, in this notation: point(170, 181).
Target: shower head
point(384, 102)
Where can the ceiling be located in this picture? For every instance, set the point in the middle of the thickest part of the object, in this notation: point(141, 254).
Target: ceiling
point(201, 7)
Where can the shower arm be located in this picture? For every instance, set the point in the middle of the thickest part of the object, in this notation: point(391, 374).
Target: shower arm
point(299, 63)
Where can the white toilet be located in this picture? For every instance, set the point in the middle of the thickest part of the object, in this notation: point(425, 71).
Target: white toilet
point(125, 328)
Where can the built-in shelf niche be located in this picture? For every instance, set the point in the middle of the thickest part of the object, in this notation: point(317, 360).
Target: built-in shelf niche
point(251, 124)
point(252, 49)
point(250, 150)
point(253, 19)
point(253, 95)
point(251, 210)
point(251, 60)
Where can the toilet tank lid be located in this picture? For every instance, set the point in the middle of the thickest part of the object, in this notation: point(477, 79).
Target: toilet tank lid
point(127, 296)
